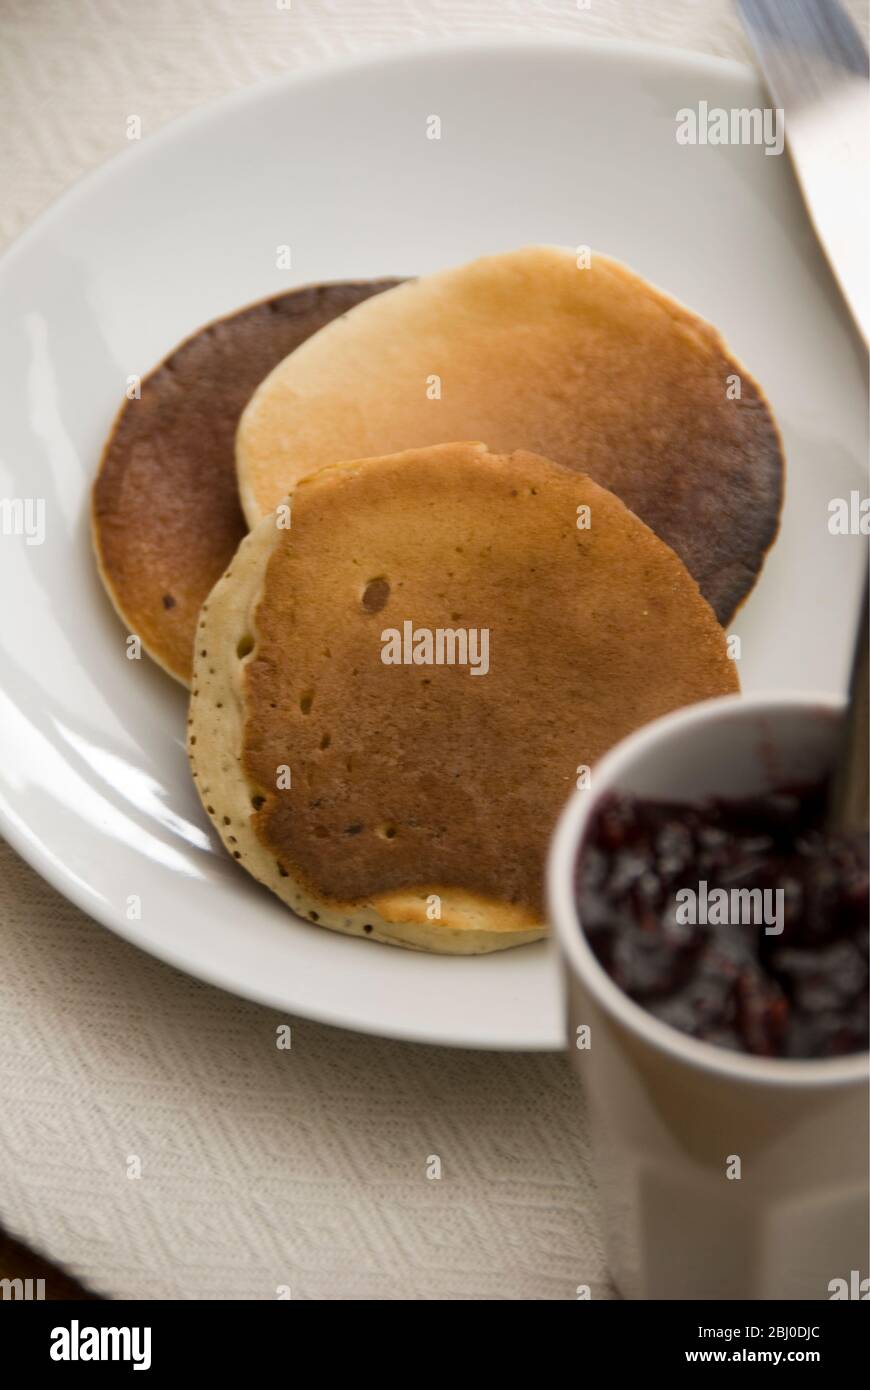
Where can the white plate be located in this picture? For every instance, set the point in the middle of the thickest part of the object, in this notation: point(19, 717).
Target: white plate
point(540, 142)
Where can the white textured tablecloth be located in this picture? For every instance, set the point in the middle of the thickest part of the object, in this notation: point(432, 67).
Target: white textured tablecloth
point(261, 1168)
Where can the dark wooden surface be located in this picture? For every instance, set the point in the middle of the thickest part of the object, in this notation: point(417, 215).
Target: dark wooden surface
point(17, 1262)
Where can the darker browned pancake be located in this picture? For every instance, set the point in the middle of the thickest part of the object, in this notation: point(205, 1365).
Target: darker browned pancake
point(166, 514)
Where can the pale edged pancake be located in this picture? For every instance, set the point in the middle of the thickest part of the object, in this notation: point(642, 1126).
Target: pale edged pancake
point(410, 782)
point(166, 519)
point(591, 367)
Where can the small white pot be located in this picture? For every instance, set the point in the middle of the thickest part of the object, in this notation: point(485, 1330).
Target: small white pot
point(670, 1114)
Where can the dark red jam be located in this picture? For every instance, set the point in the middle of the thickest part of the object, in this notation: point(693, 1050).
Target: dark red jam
point(785, 973)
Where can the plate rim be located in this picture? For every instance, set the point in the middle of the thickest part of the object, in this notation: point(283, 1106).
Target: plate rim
point(640, 50)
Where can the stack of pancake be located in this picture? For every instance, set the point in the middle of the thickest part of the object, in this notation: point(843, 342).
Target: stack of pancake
point(425, 641)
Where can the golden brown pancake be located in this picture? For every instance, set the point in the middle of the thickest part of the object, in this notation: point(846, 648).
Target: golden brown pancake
point(166, 515)
point(422, 783)
point(591, 367)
